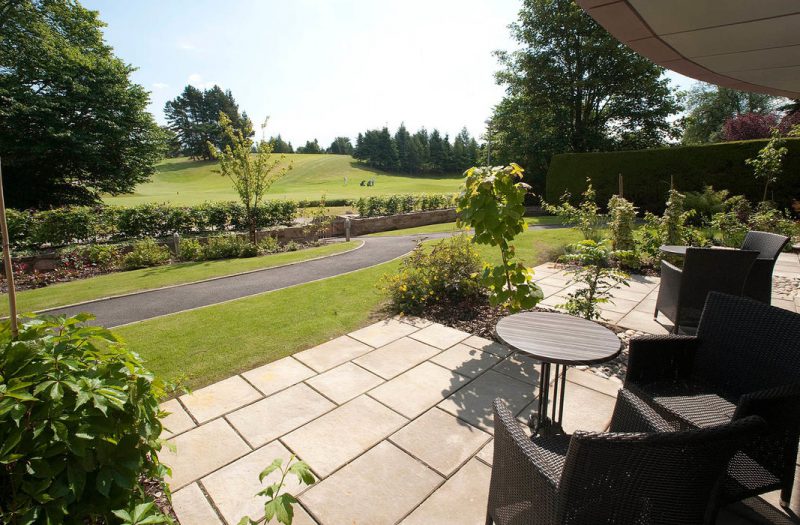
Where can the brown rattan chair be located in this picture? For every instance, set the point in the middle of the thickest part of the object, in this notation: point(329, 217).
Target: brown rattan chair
point(759, 281)
point(683, 292)
point(745, 359)
point(610, 478)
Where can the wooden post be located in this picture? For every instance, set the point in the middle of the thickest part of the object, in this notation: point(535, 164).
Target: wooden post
point(620, 185)
point(12, 294)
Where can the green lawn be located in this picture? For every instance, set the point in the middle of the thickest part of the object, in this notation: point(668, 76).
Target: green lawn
point(201, 346)
point(451, 227)
point(157, 277)
point(183, 181)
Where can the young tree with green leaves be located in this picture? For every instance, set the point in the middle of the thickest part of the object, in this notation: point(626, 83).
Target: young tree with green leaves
point(72, 123)
point(768, 164)
point(251, 174)
point(493, 203)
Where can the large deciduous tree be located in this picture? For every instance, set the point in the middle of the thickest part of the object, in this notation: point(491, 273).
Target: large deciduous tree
point(72, 124)
point(194, 117)
point(572, 87)
point(709, 107)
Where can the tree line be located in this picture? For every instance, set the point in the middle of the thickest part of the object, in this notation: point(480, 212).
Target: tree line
point(421, 152)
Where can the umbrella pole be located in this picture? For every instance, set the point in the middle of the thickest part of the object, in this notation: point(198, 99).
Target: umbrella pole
point(12, 294)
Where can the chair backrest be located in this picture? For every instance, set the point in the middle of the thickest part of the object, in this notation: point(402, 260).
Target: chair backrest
point(706, 270)
point(652, 478)
point(746, 345)
point(768, 245)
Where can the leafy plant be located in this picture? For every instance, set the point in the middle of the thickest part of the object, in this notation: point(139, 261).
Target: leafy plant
point(142, 514)
point(585, 217)
point(79, 424)
point(279, 505)
point(252, 175)
point(145, 253)
point(268, 244)
point(447, 271)
point(590, 265)
point(103, 255)
point(190, 250)
point(493, 203)
point(768, 164)
point(622, 215)
point(705, 204)
point(319, 222)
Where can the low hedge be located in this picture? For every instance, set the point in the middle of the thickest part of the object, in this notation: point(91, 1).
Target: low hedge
point(82, 224)
point(646, 173)
point(394, 204)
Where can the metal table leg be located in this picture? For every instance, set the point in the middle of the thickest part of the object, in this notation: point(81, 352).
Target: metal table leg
point(542, 423)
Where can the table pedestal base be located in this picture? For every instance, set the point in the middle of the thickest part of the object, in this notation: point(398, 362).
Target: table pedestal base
point(542, 424)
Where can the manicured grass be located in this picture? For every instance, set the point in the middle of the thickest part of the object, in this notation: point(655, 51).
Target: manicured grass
point(204, 345)
point(451, 227)
point(149, 278)
point(183, 181)
point(201, 346)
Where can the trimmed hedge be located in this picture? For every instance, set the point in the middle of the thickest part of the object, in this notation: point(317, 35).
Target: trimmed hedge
point(82, 224)
point(394, 204)
point(646, 173)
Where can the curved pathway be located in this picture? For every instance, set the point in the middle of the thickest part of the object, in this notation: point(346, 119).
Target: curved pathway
point(116, 311)
point(126, 309)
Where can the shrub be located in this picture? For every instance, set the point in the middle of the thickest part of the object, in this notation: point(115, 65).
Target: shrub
point(79, 423)
point(190, 250)
point(647, 173)
point(446, 272)
point(704, 204)
point(145, 253)
point(493, 203)
point(585, 217)
point(393, 204)
point(740, 217)
point(64, 226)
point(622, 215)
point(589, 264)
point(269, 244)
point(228, 247)
point(103, 255)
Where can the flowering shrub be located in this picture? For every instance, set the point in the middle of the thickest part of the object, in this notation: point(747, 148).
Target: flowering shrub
point(79, 425)
point(448, 271)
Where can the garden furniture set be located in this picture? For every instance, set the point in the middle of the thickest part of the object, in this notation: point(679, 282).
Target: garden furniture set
point(701, 421)
point(746, 271)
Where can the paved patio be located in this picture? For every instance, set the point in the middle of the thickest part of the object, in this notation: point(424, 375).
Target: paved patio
point(395, 420)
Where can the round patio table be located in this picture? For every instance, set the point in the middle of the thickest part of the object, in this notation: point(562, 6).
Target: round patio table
point(674, 250)
point(561, 340)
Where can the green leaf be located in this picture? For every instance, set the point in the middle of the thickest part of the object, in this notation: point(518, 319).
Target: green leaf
point(275, 465)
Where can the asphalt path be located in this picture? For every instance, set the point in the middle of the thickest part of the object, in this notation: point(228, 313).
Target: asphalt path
point(125, 309)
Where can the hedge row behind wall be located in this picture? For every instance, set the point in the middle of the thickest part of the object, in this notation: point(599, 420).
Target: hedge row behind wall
point(646, 173)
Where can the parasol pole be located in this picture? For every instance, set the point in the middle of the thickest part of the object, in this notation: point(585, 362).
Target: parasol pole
point(12, 294)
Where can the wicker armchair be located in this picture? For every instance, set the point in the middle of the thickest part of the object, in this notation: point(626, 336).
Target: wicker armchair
point(683, 292)
point(759, 282)
point(596, 478)
point(745, 359)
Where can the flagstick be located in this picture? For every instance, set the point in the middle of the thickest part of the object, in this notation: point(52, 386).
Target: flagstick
point(12, 294)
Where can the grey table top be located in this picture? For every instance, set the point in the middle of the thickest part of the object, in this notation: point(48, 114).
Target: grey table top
point(559, 338)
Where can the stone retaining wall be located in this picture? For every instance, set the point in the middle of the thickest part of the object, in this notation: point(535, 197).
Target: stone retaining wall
point(364, 226)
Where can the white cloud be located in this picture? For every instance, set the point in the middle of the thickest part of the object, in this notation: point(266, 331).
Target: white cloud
point(186, 45)
point(160, 85)
point(197, 80)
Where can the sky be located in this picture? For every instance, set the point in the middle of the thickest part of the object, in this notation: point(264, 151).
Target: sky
point(322, 68)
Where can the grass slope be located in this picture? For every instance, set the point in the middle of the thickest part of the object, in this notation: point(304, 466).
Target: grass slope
point(201, 346)
point(183, 181)
point(157, 277)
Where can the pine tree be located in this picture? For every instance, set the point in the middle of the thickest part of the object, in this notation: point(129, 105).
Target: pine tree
point(402, 140)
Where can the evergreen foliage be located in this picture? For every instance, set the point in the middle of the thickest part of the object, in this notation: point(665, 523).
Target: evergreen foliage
point(194, 117)
point(341, 146)
point(311, 147)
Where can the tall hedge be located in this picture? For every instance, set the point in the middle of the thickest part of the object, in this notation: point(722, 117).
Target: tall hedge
point(646, 173)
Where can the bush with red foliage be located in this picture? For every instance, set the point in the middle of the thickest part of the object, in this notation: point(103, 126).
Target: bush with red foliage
point(748, 126)
point(788, 122)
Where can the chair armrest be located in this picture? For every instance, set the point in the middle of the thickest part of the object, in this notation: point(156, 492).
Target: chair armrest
point(779, 406)
point(660, 358)
point(522, 477)
point(632, 414)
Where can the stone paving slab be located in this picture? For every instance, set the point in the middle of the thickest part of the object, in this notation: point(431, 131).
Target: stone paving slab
point(278, 375)
point(343, 434)
point(178, 419)
point(343, 383)
point(333, 353)
point(460, 501)
point(417, 390)
point(487, 345)
point(441, 440)
point(378, 488)
point(383, 333)
point(279, 414)
point(397, 357)
point(466, 360)
point(201, 451)
point(192, 507)
point(217, 399)
point(439, 336)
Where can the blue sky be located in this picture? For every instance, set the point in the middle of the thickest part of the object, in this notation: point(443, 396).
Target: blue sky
point(320, 68)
